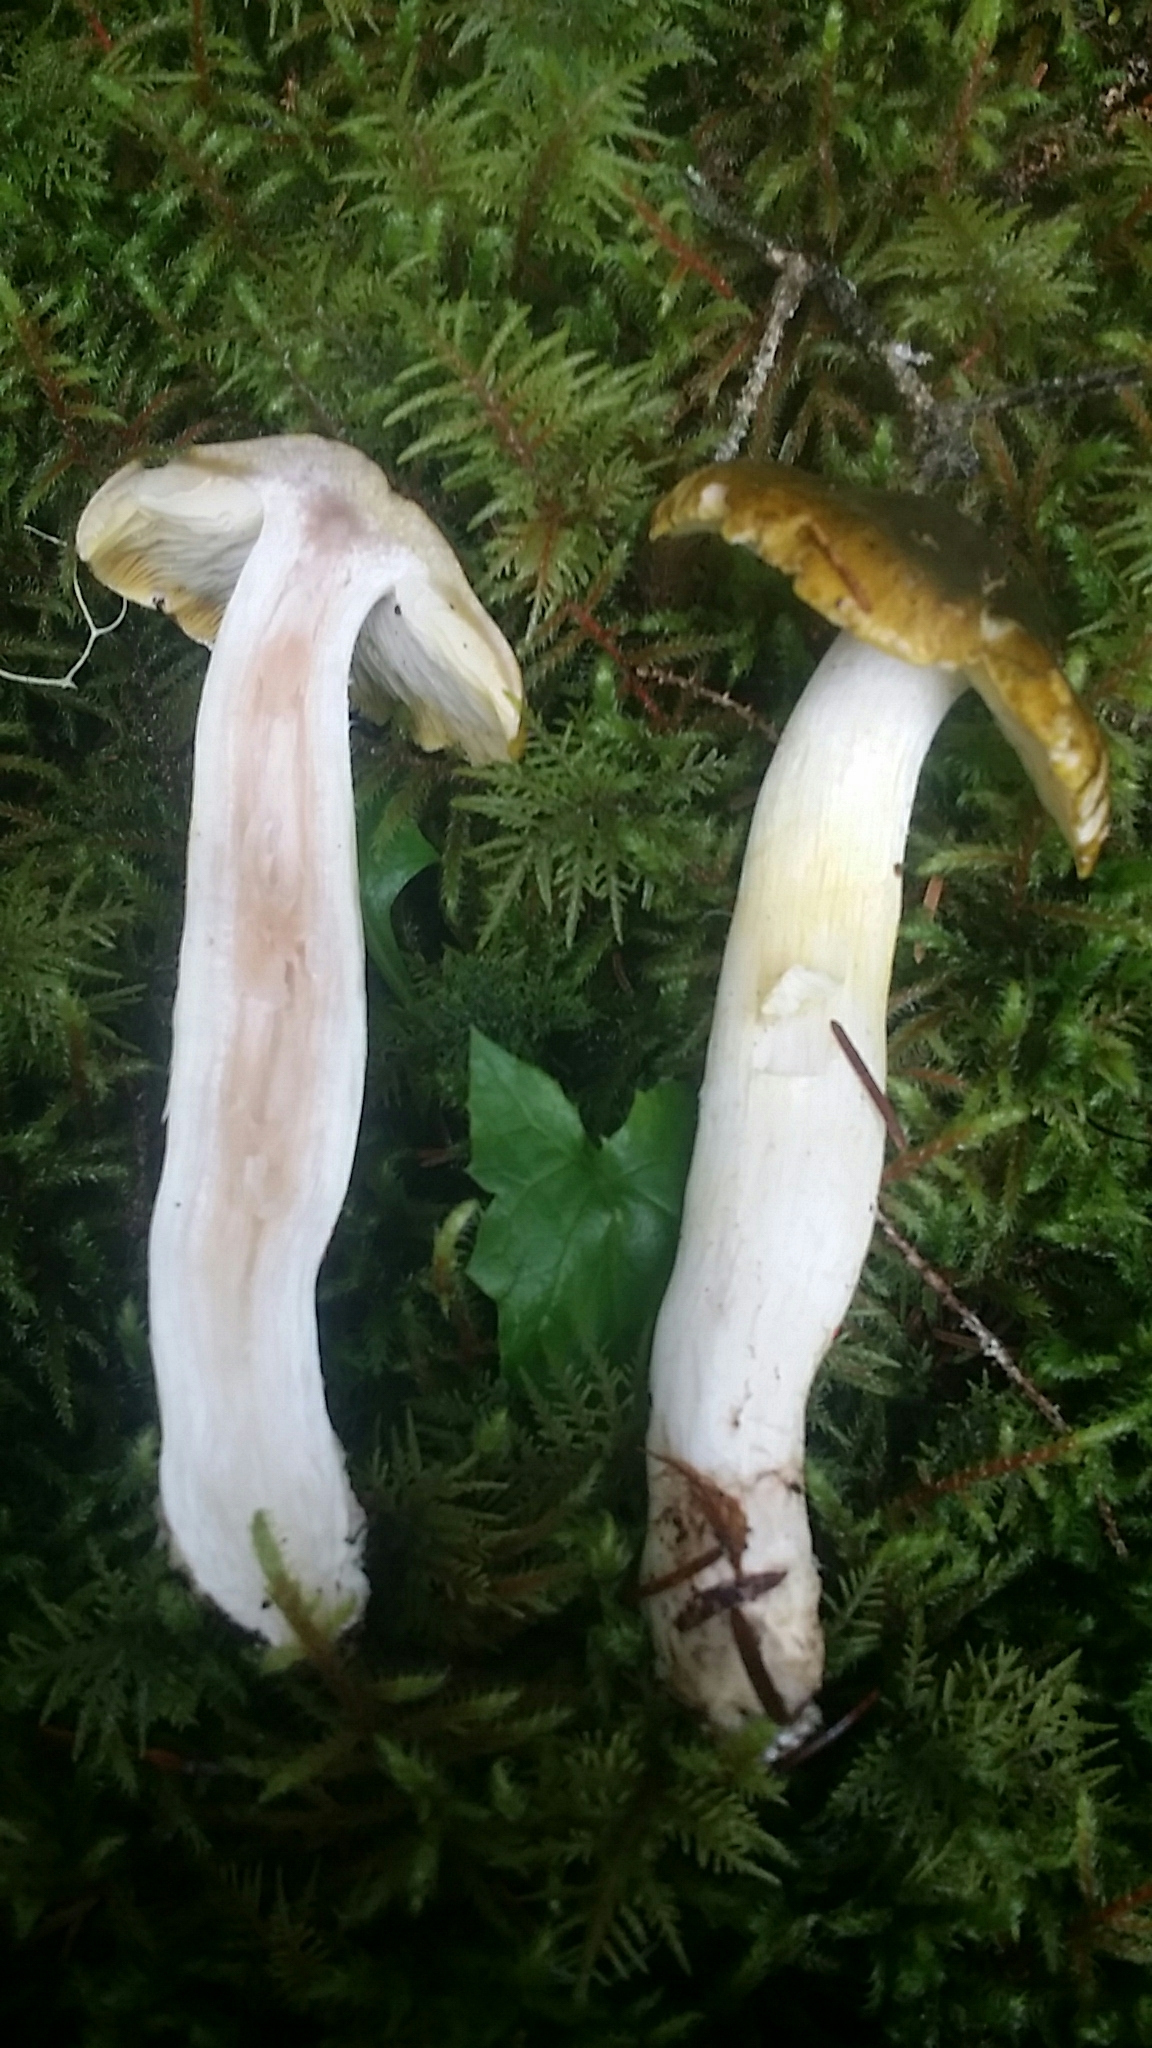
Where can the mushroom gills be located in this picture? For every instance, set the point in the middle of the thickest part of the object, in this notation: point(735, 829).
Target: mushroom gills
point(414, 649)
point(173, 539)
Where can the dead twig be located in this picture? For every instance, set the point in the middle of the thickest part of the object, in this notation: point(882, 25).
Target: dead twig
point(789, 1760)
point(871, 1086)
point(791, 286)
point(942, 426)
point(987, 1341)
point(667, 678)
point(805, 273)
point(1046, 391)
point(999, 1354)
point(722, 1598)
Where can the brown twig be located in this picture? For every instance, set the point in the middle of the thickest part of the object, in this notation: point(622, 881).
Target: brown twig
point(986, 1340)
point(482, 386)
point(667, 678)
point(98, 29)
point(758, 1678)
point(790, 1759)
point(999, 1354)
point(989, 1343)
point(601, 637)
point(916, 1156)
point(637, 675)
point(55, 392)
point(871, 1086)
point(687, 257)
point(200, 53)
point(723, 1598)
point(1114, 1909)
point(172, 1761)
point(680, 1574)
point(1110, 1525)
point(962, 118)
point(992, 1468)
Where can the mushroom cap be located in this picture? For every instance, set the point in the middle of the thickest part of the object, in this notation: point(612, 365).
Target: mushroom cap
point(915, 578)
point(174, 539)
point(177, 538)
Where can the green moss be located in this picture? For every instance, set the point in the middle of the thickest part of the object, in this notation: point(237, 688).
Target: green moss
point(462, 239)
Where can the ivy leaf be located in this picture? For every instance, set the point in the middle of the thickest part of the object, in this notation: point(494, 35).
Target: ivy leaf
point(577, 1247)
point(391, 854)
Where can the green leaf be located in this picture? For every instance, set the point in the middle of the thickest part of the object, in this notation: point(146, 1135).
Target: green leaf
point(391, 854)
point(577, 1246)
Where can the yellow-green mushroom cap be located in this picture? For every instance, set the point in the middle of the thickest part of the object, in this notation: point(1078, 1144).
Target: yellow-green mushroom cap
point(915, 578)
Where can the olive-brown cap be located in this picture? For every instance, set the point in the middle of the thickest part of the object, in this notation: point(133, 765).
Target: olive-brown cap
point(914, 577)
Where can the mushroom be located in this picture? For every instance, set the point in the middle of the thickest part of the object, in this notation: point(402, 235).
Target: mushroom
point(296, 561)
point(782, 1193)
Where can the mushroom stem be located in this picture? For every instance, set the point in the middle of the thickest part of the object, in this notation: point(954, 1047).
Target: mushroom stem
point(782, 1193)
point(298, 560)
point(269, 1043)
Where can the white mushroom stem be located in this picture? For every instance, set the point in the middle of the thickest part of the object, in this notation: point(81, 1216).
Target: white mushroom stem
point(269, 1040)
point(782, 1193)
point(298, 560)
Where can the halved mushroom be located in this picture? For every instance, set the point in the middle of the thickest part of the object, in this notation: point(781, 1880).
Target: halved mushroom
point(299, 562)
point(782, 1192)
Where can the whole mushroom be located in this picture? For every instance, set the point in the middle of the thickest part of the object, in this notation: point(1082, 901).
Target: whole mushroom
point(782, 1193)
point(297, 562)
